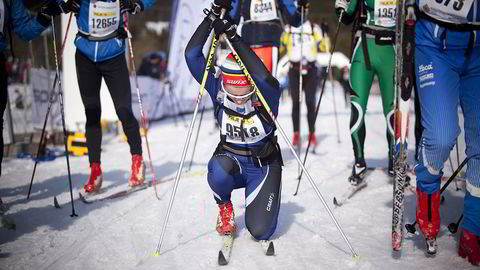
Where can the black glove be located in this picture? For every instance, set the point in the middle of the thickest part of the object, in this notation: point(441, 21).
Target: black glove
point(71, 6)
point(303, 3)
point(53, 8)
point(132, 6)
point(224, 26)
point(218, 5)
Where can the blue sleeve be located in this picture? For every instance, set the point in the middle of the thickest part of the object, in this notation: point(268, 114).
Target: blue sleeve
point(196, 60)
point(148, 3)
point(234, 13)
point(289, 10)
point(25, 26)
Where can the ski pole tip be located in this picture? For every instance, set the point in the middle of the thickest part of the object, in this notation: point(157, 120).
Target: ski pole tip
point(356, 256)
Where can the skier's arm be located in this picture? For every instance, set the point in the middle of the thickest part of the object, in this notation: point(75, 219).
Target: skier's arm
point(25, 26)
point(196, 60)
point(284, 40)
point(323, 41)
point(291, 12)
point(349, 8)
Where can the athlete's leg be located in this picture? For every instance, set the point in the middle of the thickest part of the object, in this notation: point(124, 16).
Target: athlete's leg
point(293, 80)
point(224, 175)
point(437, 83)
point(262, 193)
point(361, 82)
point(311, 83)
point(116, 77)
point(384, 63)
point(89, 82)
point(470, 100)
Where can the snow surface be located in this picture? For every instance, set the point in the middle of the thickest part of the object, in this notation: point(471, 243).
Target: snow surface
point(123, 233)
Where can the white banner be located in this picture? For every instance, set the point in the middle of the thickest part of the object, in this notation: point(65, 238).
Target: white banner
point(40, 90)
point(188, 17)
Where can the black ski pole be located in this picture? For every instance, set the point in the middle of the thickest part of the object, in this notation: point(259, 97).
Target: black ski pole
point(453, 227)
point(321, 95)
point(50, 102)
point(62, 112)
point(411, 227)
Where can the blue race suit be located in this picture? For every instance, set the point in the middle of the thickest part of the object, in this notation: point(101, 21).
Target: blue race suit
point(447, 68)
point(247, 155)
point(96, 39)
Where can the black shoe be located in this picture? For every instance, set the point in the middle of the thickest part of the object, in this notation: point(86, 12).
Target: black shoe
point(358, 173)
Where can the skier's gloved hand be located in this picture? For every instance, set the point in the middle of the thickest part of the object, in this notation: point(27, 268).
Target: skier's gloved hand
point(72, 6)
point(218, 5)
point(302, 3)
point(54, 8)
point(224, 26)
point(132, 6)
point(341, 5)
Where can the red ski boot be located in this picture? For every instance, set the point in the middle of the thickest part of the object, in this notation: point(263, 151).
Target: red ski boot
point(296, 138)
point(226, 218)
point(312, 139)
point(95, 179)
point(469, 247)
point(138, 171)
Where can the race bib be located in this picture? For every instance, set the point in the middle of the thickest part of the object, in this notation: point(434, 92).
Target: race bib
point(385, 12)
point(2, 16)
point(251, 131)
point(263, 10)
point(103, 18)
point(455, 11)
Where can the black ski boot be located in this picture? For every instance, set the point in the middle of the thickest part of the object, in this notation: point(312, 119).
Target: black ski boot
point(358, 173)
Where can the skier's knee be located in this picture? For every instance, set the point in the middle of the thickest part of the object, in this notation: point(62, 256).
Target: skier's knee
point(221, 169)
point(93, 116)
point(125, 115)
point(260, 231)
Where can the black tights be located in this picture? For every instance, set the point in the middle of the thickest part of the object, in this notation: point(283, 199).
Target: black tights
point(115, 73)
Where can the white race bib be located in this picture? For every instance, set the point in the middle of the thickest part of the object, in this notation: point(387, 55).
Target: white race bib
point(385, 12)
point(103, 18)
point(2, 16)
point(252, 131)
point(454, 11)
point(263, 10)
point(309, 44)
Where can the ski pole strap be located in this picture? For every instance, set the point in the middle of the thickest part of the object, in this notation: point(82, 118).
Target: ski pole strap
point(366, 57)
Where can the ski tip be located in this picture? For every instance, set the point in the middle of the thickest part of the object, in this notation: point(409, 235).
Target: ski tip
point(221, 259)
point(82, 198)
point(335, 202)
point(270, 249)
point(55, 203)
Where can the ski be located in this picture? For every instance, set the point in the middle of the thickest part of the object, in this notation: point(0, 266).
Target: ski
point(268, 247)
point(226, 249)
point(122, 193)
point(404, 48)
point(353, 189)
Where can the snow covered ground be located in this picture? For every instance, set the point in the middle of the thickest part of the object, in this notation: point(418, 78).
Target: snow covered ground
point(123, 233)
